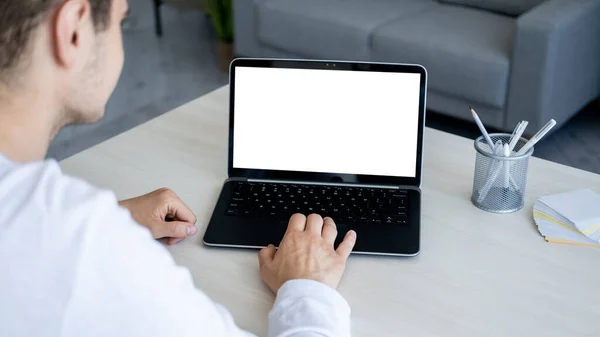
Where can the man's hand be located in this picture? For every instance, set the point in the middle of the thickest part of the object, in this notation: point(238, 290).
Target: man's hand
point(306, 252)
point(164, 214)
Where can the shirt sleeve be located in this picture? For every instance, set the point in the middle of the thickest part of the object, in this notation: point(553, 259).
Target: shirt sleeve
point(306, 308)
point(127, 284)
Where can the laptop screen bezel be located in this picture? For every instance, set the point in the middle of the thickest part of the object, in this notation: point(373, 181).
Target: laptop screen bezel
point(263, 174)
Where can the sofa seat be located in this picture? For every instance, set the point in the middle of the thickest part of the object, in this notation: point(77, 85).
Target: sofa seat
point(466, 51)
point(329, 29)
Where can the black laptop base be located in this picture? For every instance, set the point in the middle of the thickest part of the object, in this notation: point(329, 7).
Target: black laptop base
point(254, 215)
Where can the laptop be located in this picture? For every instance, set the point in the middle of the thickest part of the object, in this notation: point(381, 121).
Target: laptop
point(340, 139)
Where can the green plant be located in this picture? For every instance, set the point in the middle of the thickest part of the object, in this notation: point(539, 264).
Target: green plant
point(221, 14)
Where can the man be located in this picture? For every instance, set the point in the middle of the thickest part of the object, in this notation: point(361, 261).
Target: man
point(73, 261)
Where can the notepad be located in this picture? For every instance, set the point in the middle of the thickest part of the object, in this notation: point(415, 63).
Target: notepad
point(569, 218)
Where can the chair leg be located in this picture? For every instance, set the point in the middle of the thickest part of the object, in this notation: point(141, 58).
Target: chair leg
point(157, 17)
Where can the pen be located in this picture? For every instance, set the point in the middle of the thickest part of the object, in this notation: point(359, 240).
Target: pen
point(512, 135)
point(482, 128)
point(536, 138)
point(506, 164)
point(517, 135)
point(493, 172)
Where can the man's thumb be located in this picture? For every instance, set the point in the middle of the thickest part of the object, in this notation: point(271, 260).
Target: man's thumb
point(266, 255)
point(176, 229)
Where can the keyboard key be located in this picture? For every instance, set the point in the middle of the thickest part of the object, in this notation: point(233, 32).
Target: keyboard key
point(232, 212)
point(394, 212)
point(401, 219)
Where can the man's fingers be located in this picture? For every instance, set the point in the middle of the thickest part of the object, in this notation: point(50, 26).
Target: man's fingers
point(173, 241)
point(266, 255)
point(329, 231)
point(297, 223)
point(345, 248)
point(173, 229)
point(177, 209)
point(314, 224)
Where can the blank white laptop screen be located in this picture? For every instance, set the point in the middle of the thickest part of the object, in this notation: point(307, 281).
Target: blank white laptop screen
point(329, 121)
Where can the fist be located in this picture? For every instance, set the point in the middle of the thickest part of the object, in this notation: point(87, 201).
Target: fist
point(164, 214)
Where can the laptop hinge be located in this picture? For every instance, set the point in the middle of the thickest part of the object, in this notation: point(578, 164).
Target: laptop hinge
point(321, 183)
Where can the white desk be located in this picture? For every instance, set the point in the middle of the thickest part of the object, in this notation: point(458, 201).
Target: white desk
point(478, 274)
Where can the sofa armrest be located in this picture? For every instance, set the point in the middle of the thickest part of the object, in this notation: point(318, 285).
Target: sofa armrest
point(555, 68)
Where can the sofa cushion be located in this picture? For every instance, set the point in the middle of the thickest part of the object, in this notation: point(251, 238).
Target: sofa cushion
point(330, 29)
point(466, 51)
point(510, 7)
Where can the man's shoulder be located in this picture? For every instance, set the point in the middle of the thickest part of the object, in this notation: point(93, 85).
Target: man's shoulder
point(62, 243)
point(65, 217)
point(42, 189)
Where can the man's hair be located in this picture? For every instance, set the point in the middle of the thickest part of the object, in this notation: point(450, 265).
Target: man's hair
point(19, 18)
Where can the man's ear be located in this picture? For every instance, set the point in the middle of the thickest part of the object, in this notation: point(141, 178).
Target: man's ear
point(71, 29)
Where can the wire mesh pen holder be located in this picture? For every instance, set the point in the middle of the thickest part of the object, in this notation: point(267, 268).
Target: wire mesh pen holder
point(499, 182)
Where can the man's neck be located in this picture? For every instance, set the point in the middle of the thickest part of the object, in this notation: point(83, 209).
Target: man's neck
point(27, 125)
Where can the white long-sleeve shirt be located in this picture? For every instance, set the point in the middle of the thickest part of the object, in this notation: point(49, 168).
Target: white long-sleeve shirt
point(73, 263)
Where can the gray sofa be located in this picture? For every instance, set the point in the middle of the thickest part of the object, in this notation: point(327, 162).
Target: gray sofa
point(511, 59)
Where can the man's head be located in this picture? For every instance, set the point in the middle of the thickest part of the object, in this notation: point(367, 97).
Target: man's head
point(70, 50)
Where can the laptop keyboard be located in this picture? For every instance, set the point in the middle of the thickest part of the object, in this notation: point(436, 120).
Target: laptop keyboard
point(342, 204)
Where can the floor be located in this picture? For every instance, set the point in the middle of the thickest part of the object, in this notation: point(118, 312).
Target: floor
point(163, 73)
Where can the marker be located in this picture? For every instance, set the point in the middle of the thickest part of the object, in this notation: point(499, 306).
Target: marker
point(536, 138)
